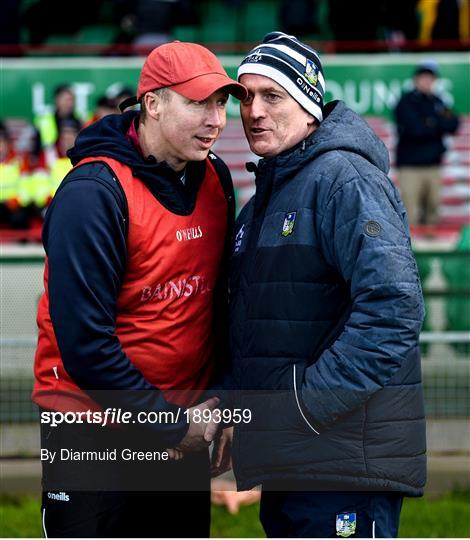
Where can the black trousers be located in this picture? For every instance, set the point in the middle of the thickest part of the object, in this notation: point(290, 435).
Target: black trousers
point(330, 514)
point(127, 514)
point(112, 498)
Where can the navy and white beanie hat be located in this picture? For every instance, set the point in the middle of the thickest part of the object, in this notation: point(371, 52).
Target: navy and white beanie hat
point(293, 65)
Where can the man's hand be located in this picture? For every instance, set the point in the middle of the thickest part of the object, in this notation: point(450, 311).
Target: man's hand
point(174, 454)
point(201, 432)
point(223, 492)
point(222, 455)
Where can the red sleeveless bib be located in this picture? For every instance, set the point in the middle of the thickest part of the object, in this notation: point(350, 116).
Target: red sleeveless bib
point(165, 306)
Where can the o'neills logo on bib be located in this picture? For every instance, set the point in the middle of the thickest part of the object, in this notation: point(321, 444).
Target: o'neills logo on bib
point(189, 234)
point(62, 496)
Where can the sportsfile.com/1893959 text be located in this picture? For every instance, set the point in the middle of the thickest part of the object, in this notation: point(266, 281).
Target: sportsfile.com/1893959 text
point(113, 415)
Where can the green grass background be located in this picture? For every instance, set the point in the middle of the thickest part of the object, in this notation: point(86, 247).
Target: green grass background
point(446, 517)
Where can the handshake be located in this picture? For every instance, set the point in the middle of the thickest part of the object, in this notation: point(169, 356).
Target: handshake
point(203, 430)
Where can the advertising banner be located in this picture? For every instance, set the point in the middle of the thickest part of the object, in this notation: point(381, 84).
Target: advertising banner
point(370, 84)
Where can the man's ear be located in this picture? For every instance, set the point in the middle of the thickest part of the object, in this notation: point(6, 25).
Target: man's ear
point(152, 104)
point(311, 120)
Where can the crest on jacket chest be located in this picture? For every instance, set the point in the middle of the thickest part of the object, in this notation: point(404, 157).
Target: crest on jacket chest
point(288, 225)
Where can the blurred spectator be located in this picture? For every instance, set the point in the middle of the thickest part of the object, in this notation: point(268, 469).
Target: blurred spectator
point(9, 177)
point(34, 190)
point(119, 93)
point(104, 106)
point(443, 19)
point(422, 121)
point(48, 124)
point(16, 187)
point(464, 20)
point(56, 156)
point(427, 11)
point(41, 172)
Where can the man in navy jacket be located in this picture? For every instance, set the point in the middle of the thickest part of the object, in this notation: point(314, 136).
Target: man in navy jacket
point(326, 309)
point(422, 121)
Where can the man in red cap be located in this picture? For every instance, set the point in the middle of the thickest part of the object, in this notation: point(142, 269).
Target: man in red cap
point(136, 241)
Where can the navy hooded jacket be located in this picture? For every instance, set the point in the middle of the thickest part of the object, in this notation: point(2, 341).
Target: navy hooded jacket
point(325, 312)
point(92, 257)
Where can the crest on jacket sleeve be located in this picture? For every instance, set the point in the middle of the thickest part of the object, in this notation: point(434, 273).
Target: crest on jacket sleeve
point(345, 524)
point(288, 225)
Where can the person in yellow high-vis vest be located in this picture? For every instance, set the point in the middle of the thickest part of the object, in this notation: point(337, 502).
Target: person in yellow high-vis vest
point(34, 190)
point(56, 156)
point(59, 169)
point(9, 177)
point(41, 186)
point(49, 123)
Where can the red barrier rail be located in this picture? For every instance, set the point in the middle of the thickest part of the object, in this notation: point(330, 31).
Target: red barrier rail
point(237, 47)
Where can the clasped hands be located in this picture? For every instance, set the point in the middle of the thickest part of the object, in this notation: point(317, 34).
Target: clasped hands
point(203, 430)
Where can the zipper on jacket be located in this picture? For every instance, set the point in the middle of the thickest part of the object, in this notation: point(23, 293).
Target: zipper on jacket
point(298, 404)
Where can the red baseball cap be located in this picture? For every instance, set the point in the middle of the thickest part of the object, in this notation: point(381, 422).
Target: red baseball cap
point(187, 68)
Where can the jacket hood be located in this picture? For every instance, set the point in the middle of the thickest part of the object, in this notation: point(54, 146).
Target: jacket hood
point(341, 129)
point(108, 138)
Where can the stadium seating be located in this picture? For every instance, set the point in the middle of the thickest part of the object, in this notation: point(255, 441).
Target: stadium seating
point(100, 33)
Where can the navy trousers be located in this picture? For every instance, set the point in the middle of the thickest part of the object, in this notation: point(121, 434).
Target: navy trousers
point(330, 514)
